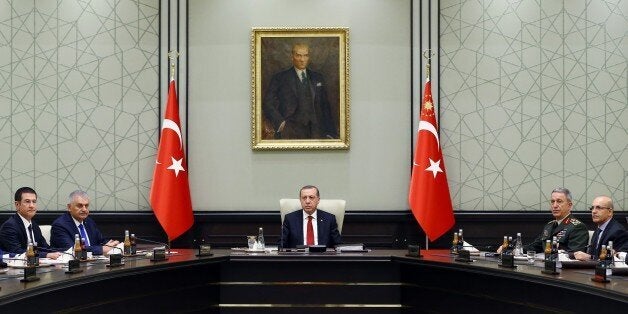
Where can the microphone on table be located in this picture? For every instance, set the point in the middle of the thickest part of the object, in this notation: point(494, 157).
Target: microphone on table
point(30, 272)
point(74, 264)
point(158, 253)
point(115, 260)
point(203, 249)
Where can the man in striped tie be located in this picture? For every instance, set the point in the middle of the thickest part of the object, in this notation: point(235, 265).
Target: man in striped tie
point(310, 225)
point(77, 221)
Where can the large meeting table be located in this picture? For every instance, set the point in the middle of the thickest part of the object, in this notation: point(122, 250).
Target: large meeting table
point(377, 281)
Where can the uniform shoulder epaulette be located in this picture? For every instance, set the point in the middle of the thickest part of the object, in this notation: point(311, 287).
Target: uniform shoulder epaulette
point(575, 221)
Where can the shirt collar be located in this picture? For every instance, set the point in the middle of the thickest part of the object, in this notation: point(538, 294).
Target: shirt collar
point(76, 222)
point(313, 214)
point(603, 226)
point(24, 221)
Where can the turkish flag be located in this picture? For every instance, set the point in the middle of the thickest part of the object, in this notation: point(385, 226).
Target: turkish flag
point(170, 191)
point(429, 193)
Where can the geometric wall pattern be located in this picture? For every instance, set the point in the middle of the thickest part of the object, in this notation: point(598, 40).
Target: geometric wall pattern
point(79, 101)
point(533, 95)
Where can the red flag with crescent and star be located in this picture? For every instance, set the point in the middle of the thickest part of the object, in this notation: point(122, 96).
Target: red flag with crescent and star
point(429, 192)
point(170, 190)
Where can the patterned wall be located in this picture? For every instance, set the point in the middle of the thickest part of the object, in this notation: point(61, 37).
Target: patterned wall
point(79, 100)
point(533, 95)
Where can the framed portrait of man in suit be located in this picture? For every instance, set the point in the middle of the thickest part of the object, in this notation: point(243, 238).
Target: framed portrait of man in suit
point(300, 88)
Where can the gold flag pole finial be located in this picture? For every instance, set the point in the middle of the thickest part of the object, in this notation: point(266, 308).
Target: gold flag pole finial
point(427, 54)
point(172, 55)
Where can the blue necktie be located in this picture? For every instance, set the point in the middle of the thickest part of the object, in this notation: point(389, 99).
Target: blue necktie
point(83, 234)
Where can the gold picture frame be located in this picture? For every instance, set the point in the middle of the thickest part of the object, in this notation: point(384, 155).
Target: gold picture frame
point(280, 121)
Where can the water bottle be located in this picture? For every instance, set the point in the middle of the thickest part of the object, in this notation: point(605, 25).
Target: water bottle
point(518, 245)
point(260, 239)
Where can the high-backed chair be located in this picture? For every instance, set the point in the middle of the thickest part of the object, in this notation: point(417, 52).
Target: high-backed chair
point(45, 232)
point(336, 207)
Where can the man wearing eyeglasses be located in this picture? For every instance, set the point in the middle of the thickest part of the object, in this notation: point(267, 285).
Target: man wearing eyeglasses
point(608, 229)
point(571, 233)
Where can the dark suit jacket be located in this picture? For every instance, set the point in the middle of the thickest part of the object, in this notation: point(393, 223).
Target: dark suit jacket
point(64, 229)
point(13, 238)
point(281, 100)
point(615, 232)
point(292, 229)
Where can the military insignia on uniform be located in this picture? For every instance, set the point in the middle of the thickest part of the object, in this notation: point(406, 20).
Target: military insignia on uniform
point(545, 233)
point(567, 221)
point(561, 234)
point(575, 222)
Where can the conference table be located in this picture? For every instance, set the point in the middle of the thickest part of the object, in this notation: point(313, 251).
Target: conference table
point(377, 281)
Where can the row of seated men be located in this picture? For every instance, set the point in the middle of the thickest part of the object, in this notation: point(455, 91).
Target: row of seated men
point(308, 226)
point(20, 229)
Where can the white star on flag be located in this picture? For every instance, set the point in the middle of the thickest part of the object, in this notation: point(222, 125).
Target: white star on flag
point(176, 166)
point(434, 167)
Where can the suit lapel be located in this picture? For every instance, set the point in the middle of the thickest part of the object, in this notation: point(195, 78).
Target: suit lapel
point(24, 236)
point(322, 229)
point(299, 232)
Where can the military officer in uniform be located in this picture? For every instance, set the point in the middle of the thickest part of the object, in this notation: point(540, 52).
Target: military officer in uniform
point(571, 233)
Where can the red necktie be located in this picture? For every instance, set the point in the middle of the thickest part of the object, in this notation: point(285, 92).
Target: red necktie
point(310, 231)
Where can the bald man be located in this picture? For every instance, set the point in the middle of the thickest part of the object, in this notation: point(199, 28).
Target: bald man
point(608, 229)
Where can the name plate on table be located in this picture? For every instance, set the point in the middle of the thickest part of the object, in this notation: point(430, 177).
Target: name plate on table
point(600, 274)
point(508, 261)
point(30, 274)
point(464, 256)
point(204, 250)
point(317, 248)
point(115, 260)
point(74, 267)
point(414, 251)
point(549, 268)
point(158, 255)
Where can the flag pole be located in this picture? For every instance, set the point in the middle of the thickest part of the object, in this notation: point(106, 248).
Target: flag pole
point(427, 54)
point(172, 55)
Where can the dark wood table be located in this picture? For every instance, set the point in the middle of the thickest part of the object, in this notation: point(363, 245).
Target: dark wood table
point(380, 281)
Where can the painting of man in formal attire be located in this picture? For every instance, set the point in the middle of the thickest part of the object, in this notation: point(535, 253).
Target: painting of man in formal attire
point(300, 89)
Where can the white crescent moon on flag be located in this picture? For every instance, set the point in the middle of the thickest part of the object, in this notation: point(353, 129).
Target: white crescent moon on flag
point(169, 124)
point(424, 125)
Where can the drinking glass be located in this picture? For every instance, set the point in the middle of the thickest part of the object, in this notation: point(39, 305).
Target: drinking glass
point(531, 255)
point(251, 241)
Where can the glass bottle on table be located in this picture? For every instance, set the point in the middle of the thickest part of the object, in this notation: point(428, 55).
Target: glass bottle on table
point(460, 240)
point(518, 245)
point(78, 249)
point(454, 244)
point(555, 249)
point(133, 241)
point(260, 239)
point(548, 250)
point(127, 243)
point(603, 253)
point(30, 255)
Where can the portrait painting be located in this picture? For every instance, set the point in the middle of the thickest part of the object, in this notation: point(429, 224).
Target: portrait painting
point(300, 86)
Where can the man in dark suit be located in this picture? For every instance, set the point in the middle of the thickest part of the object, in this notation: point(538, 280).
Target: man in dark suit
point(20, 229)
point(77, 221)
point(309, 226)
point(572, 235)
point(296, 102)
point(608, 229)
